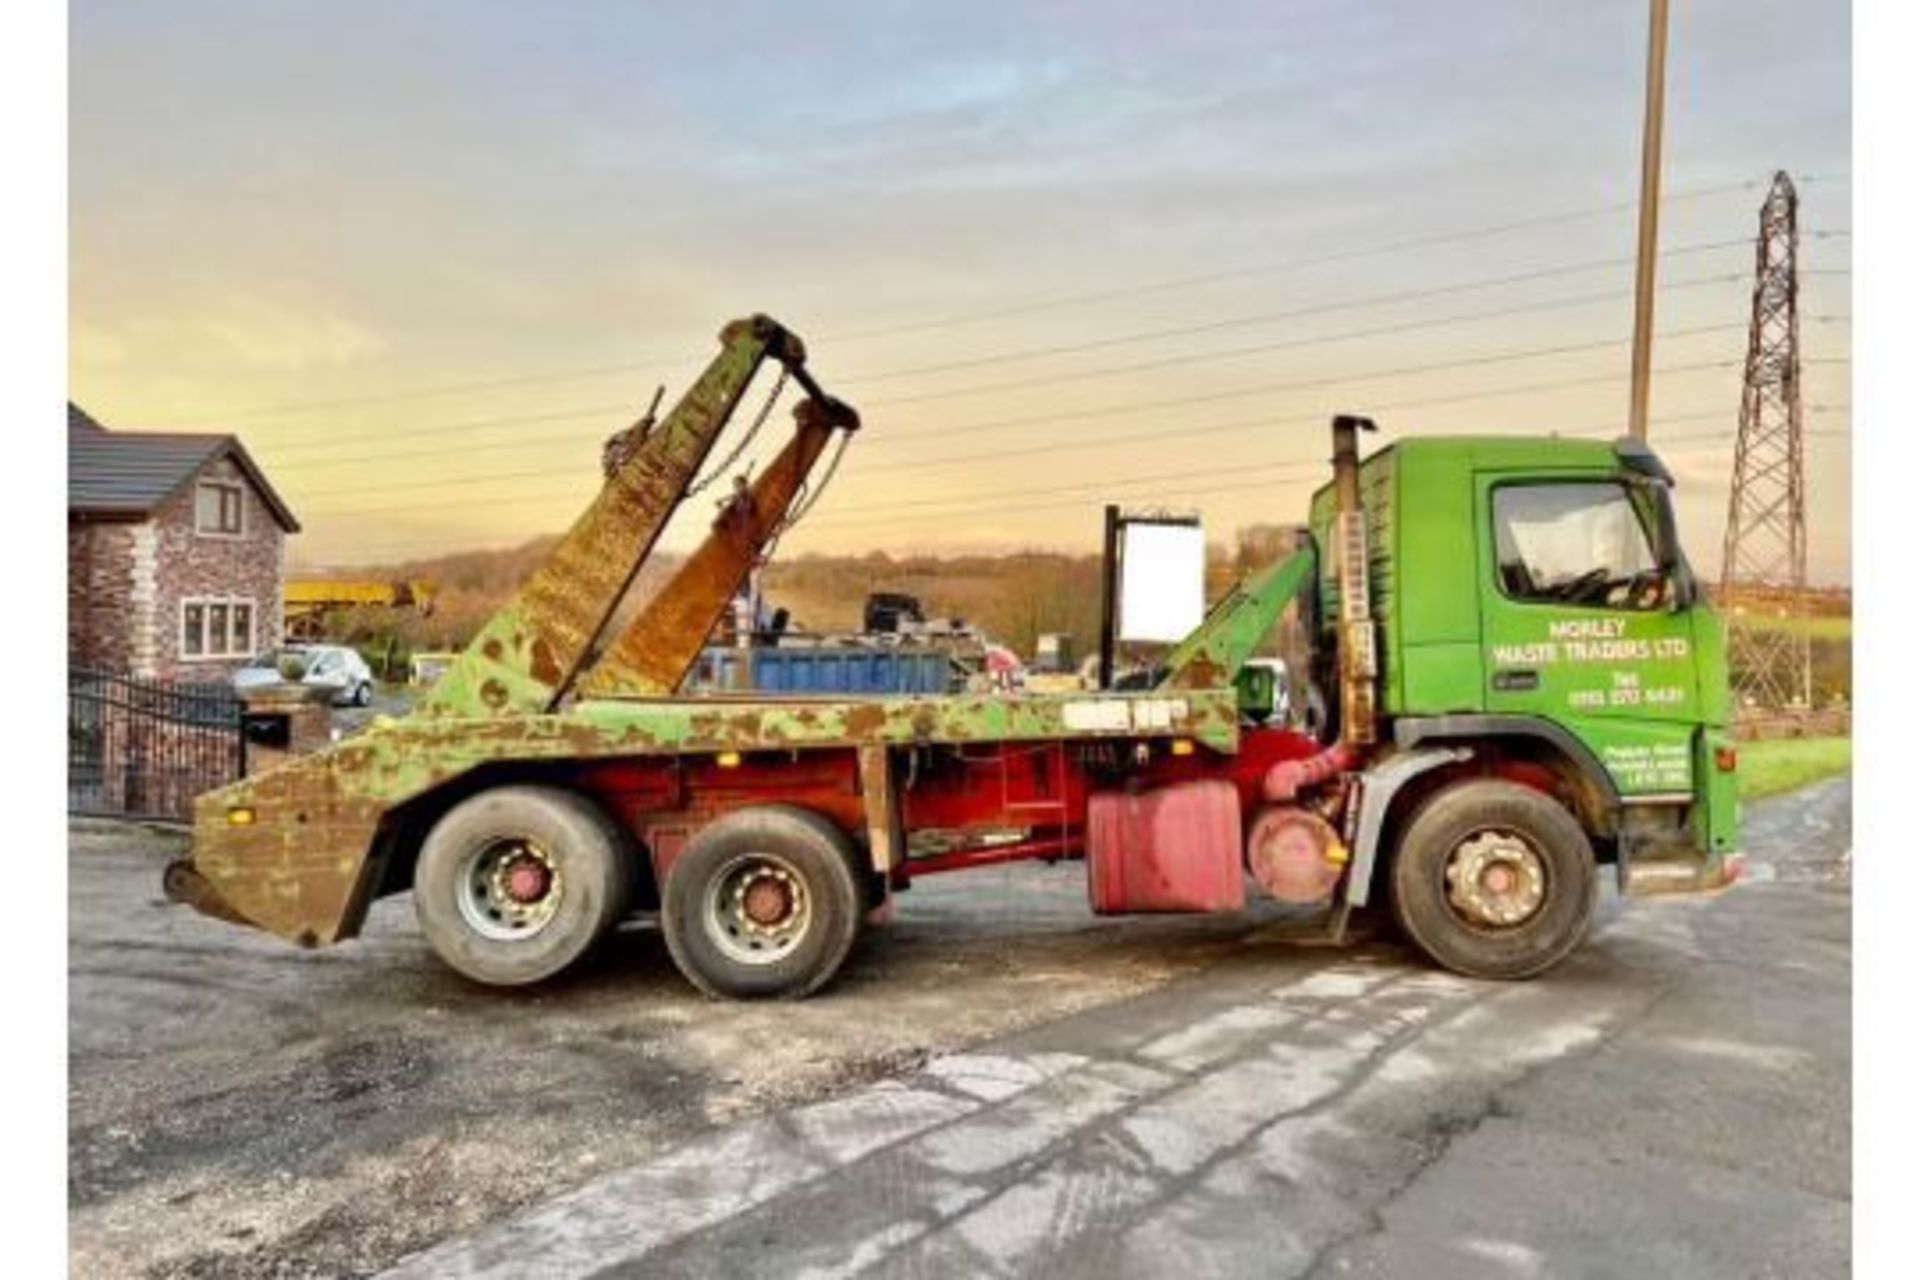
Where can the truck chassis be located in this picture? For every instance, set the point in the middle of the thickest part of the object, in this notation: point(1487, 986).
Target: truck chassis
point(554, 783)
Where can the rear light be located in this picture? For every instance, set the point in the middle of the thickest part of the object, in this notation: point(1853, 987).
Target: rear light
point(1726, 759)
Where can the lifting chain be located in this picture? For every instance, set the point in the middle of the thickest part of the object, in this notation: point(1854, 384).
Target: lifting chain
point(726, 463)
point(810, 494)
point(805, 500)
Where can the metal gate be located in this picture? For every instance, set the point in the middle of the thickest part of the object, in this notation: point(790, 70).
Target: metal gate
point(145, 748)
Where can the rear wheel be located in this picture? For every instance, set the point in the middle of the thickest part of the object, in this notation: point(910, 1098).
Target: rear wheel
point(514, 884)
point(763, 902)
point(1494, 880)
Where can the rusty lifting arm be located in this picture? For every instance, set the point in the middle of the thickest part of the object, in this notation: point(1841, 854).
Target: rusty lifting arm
point(1212, 655)
point(529, 655)
point(661, 644)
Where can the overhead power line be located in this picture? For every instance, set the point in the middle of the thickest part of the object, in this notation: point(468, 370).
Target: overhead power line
point(1264, 422)
point(1104, 411)
point(622, 410)
point(654, 363)
point(1406, 245)
point(601, 415)
point(1298, 384)
point(1345, 304)
point(1131, 406)
point(1348, 335)
point(943, 507)
point(918, 511)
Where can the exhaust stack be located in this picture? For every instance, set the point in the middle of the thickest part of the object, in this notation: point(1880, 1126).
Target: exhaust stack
point(1359, 664)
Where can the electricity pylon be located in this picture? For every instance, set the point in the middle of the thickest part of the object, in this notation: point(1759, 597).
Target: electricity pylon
point(1763, 568)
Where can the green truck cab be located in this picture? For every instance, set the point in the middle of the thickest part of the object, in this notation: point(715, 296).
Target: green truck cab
point(1534, 606)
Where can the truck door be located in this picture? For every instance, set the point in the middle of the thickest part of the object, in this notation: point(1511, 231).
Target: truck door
point(1579, 625)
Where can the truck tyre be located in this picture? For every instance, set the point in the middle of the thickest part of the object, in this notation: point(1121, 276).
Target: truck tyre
point(1493, 880)
point(763, 902)
point(515, 883)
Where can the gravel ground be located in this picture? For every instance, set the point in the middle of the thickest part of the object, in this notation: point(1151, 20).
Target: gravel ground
point(238, 1107)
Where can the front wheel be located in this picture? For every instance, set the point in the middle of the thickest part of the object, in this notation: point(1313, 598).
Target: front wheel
point(762, 902)
point(1494, 880)
point(514, 884)
point(363, 694)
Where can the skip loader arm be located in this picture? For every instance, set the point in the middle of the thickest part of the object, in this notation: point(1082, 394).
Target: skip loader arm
point(300, 850)
point(1216, 650)
point(525, 660)
point(660, 645)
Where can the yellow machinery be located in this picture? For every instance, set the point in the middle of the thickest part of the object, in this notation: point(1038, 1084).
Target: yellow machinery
point(310, 601)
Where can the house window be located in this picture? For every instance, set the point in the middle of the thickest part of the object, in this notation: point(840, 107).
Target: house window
point(216, 629)
point(216, 509)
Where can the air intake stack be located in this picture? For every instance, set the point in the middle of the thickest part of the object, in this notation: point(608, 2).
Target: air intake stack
point(1359, 664)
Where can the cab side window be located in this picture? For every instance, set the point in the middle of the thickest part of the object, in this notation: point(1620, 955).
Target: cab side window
point(1575, 544)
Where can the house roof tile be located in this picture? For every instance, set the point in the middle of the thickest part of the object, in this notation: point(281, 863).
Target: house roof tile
point(128, 474)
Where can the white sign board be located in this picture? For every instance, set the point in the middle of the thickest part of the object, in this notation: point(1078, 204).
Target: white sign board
point(1162, 580)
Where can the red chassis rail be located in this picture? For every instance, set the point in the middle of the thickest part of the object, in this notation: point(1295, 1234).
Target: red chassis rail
point(973, 796)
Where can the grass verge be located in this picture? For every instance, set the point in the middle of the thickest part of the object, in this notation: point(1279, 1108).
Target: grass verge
point(1824, 627)
point(1784, 764)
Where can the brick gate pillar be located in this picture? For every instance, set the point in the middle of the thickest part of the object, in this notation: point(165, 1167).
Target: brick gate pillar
point(284, 720)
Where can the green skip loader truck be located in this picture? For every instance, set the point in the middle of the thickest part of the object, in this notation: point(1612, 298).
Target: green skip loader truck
point(1523, 680)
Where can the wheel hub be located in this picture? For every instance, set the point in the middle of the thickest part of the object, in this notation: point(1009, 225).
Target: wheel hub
point(766, 900)
point(1496, 880)
point(758, 910)
point(509, 889)
point(527, 879)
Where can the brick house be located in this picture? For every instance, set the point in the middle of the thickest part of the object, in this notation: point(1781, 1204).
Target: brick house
point(176, 553)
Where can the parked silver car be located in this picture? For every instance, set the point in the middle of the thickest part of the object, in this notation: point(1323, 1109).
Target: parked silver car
point(334, 667)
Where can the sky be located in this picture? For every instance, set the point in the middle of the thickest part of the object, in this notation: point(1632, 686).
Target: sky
point(424, 257)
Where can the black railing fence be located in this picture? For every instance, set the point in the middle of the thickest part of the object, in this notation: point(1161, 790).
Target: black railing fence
point(145, 748)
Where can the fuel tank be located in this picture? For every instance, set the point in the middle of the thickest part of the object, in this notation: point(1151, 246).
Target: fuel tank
point(1174, 848)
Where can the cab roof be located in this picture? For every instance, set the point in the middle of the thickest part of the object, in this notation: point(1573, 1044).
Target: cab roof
point(1491, 451)
point(1519, 453)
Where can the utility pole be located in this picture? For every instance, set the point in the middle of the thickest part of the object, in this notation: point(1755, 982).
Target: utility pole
point(1649, 218)
point(1764, 561)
